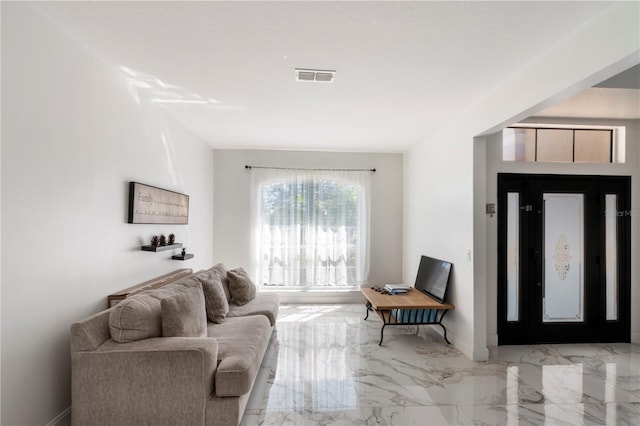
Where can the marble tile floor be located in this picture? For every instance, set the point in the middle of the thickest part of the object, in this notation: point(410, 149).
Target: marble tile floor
point(324, 367)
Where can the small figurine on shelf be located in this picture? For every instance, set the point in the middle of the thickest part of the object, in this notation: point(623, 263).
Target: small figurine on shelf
point(184, 251)
point(163, 240)
point(172, 239)
point(155, 242)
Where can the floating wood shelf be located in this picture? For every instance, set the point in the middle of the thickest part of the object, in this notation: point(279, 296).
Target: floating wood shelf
point(181, 257)
point(161, 248)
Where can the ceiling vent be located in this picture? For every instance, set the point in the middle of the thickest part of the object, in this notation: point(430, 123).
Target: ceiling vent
point(316, 76)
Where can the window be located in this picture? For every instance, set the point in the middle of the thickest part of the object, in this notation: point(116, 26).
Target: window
point(311, 228)
point(564, 145)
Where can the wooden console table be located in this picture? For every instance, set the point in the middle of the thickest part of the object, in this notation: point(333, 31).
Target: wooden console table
point(412, 308)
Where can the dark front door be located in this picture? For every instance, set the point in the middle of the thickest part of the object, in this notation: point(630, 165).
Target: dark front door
point(563, 258)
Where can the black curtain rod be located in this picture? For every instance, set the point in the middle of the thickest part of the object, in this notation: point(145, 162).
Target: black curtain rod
point(297, 168)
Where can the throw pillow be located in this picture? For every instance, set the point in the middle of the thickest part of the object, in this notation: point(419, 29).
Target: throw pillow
point(183, 315)
point(135, 318)
point(215, 300)
point(242, 289)
point(221, 272)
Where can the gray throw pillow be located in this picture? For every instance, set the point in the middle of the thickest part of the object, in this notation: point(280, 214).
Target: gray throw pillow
point(242, 289)
point(221, 272)
point(216, 303)
point(184, 315)
point(135, 318)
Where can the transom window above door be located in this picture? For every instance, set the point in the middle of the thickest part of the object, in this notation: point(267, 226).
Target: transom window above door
point(589, 144)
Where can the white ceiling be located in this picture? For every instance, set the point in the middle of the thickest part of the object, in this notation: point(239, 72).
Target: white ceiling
point(226, 69)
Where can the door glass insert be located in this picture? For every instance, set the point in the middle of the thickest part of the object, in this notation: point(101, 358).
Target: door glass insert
point(513, 251)
point(563, 253)
point(611, 244)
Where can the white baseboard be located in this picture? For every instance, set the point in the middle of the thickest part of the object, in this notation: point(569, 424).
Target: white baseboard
point(62, 419)
point(470, 352)
point(480, 354)
point(467, 350)
point(492, 340)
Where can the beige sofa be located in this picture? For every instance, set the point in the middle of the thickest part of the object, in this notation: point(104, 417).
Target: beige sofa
point(132, 364)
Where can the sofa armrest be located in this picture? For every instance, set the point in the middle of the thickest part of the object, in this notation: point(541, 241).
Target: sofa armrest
point(159, 381)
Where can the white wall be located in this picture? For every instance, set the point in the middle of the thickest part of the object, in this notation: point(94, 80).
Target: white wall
point(232, 234)
point(631, 168)
point(443, 203)
point(72, 139)
point(438, 207)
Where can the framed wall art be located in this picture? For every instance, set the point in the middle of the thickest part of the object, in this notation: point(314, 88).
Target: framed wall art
point(148, 204)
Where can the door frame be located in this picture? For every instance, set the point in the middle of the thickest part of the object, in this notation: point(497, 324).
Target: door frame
point(518, 332)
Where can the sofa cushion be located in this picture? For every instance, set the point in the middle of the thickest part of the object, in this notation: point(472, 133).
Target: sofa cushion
point(135, 318)
point(140, 316)
point(215, 299)
point(242, 289)
point(242, 342)
point(184, 315)
point(265, 303)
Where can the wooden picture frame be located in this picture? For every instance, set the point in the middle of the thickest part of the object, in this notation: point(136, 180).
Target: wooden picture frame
point(149, 204)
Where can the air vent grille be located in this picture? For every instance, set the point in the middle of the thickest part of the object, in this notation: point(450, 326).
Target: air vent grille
point(316, 76)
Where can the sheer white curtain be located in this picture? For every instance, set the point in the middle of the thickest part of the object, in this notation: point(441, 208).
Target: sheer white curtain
point(310, 228)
